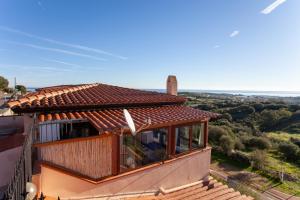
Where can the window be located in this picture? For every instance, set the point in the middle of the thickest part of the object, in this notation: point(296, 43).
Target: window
point(182, 139)
point(53, 131)
point(143, 149)
point(198, 136)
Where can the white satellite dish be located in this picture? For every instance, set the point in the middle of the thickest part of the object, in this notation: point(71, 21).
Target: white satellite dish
point(130, 122)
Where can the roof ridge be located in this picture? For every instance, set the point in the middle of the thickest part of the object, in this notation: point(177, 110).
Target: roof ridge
point(40, 96)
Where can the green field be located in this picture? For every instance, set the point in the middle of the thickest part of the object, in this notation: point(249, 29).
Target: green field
point(282, 135)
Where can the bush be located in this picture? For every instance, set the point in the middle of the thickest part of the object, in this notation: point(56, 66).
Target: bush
point(296, 141)
point(21, 88)
point(240, 157)
point(3, 83)
point(227, 144)
point(241, 112)
point(258, 142)
point(239, 145)
point(289, 150)
point(258, 107)
point(258, 159)
point(270, 118)
point(215, 133)
point(8, 90)
point(227, 116)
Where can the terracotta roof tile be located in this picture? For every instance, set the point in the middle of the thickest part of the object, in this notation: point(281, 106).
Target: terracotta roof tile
point(90, 96)
point(110, 119)
point(205, 191)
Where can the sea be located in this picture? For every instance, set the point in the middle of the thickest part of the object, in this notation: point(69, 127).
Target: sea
point(242, 92)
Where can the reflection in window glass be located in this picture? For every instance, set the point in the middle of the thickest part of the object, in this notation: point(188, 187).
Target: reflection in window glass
point(144, 148)
point(182, 139)
point(198, 136)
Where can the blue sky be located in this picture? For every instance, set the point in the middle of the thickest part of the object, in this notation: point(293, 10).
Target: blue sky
point(207, 44)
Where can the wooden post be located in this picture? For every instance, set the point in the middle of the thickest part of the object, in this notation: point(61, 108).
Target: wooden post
point(206, 133)
point(190, 136)
point(115, 154)
point(171, 141)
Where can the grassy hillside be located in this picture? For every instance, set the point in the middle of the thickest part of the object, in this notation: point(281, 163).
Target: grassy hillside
point(258, 133)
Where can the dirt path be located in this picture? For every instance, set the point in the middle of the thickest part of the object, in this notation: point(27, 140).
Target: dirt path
point(257, 183)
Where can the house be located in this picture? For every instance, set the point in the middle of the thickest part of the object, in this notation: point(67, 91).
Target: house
point(82, 147)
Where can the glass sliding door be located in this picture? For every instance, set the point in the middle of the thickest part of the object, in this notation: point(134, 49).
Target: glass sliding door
point(198, 136)
point(182, 139)
point(143, 149)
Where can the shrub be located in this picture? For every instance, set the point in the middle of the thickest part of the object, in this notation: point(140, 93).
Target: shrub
point(258, 159)
point(240, 157)
point(227, 144)
point(3, 83)
point(258, 107)
point(227, 116)
point(215, 133)
point(21, 88)
point(296, 141)
point(241, 112)
point(239, 145)
point(289, 150)
point(258, 142)
point(269, 118)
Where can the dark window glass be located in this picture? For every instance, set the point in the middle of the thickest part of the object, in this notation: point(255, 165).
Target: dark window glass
point(198, 136)
point(143, 149)
point(182, 139)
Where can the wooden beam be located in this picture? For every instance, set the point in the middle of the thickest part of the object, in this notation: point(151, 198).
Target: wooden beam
point(115, 157)
point(190, 137)
point(206, 133)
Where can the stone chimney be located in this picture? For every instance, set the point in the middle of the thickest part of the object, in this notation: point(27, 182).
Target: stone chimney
point(172, 85)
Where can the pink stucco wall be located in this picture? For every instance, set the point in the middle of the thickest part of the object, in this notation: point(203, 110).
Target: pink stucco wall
point(8, 160)
point(178, 172)
point(12, 122)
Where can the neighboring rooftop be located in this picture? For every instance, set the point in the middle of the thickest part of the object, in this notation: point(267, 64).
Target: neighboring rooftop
point(90, 96)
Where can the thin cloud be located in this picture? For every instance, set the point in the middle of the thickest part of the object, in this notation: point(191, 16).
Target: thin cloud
point(234, 33)
point(40, 5)
point(216, 46)
point(30, 67)
point(76, 46)
point(272, 7)
point(55, 50)
point(62, 62)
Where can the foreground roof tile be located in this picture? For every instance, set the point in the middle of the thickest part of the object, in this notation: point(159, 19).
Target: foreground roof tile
point(204, 191)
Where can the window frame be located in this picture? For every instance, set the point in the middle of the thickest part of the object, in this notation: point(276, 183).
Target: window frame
point(170, 147)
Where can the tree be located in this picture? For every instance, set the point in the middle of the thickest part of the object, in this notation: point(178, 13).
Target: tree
point(215, 133)
point(258, 142)
point(289, 150)
point(21, 88)
point(271, 117)
point(227, 144)
point(227, 116)
point(3, 83)
point(258, 159)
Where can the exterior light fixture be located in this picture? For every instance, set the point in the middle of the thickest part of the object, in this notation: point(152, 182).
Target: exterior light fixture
point(31, 191)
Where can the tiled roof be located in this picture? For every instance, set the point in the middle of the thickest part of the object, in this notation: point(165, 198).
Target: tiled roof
point(90, 96)
point(204, 191)
point(110, 119)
